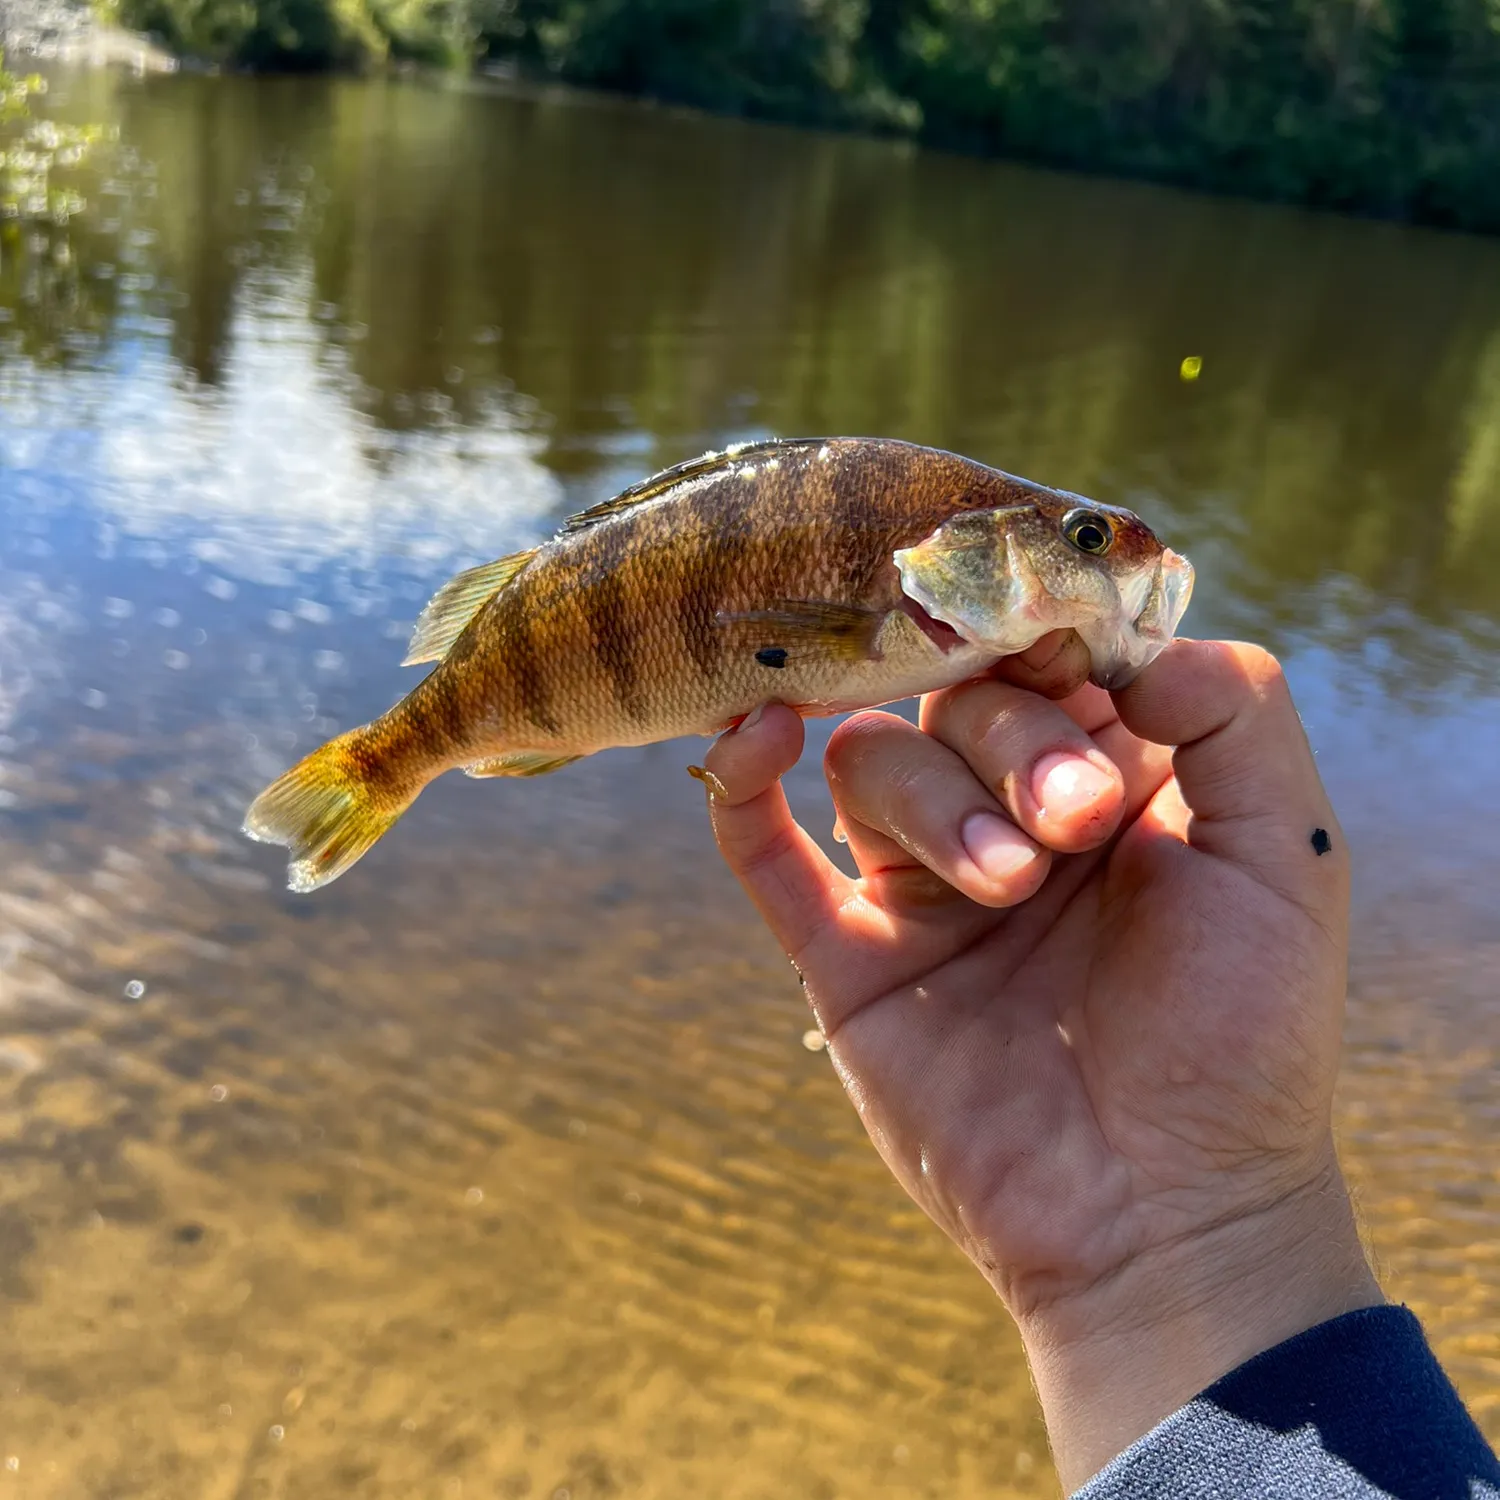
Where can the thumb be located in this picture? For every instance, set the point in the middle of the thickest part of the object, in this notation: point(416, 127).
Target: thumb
point(1242, 762)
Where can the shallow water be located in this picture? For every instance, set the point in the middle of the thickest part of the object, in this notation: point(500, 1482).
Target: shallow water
point(499, 1167)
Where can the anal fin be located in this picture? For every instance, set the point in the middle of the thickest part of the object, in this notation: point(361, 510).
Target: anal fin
point(521, 763)
point(449, 611)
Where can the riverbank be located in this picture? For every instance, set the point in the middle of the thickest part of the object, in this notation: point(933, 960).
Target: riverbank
point(1388, 109)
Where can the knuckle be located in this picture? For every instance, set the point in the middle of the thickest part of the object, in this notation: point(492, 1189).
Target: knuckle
point(758, 856)
point(974, 710)
point(1017, 729)
point(906, 794)
point(855, 738)
point(997, 733)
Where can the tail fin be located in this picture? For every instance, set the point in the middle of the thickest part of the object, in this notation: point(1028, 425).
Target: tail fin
point(330, 808)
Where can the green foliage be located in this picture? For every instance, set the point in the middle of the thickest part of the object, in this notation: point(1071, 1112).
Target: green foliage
point(1388, 106)
point(309, 35)
point(437, 32)
point(33, 152)
point(785, 58)
point(263, 34)
point(45, 298)
point(1385, 106)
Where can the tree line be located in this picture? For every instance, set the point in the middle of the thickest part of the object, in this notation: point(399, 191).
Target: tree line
point(1387, 107)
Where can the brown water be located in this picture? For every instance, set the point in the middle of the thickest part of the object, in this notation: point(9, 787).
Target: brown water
point(499, 1167)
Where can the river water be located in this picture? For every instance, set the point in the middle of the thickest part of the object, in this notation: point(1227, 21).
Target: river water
point(499, 1168)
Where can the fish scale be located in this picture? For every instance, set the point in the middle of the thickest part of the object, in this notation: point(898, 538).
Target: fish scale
point(828, 574)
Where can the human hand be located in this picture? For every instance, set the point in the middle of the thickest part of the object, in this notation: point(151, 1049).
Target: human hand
point(1086, 996)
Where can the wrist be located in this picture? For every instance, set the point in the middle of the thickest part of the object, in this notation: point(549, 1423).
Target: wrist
point(1113, 1361)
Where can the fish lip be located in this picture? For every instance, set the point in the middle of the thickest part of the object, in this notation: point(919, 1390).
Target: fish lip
point(1177, 578)
point(1139, 593)
point(1167, 598)
point(1120, 659)
point(939, 632)
point(1113, 679)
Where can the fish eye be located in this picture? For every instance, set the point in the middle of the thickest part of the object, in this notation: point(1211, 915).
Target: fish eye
point(1088, 531)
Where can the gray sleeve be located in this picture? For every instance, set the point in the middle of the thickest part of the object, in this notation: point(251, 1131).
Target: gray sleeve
point(1355, 1409)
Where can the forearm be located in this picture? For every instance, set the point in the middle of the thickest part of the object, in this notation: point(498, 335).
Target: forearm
point(1356, 1407)
point(1112, 1364)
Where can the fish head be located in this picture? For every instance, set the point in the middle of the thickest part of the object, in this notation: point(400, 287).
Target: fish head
point(1003, 577)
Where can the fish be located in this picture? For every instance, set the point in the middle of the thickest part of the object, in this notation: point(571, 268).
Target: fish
point(829, 574)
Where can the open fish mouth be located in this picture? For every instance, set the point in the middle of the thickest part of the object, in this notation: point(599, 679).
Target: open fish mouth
point(1154, 604)
point(1169, 599)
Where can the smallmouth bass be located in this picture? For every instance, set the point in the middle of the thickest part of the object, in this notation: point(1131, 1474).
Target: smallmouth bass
point(828, 574)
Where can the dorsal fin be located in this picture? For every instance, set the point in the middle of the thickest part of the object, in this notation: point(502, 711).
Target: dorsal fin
point(447, 614)
point(692, 468)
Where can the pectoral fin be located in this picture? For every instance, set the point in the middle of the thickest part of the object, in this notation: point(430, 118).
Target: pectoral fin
point(449, 611)
point(521, 763)
point(796, 628)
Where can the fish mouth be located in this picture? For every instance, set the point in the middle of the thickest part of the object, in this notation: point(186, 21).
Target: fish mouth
point(1139, 594)
point(939, 632)
point(1174, 593)
point(1154, 604)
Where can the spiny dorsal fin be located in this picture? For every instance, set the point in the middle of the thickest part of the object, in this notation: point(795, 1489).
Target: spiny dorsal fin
point(693, 468)
point(449, 611)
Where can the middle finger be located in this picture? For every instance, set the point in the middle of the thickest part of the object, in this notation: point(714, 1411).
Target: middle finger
point(1051, 776)
point(911, 810)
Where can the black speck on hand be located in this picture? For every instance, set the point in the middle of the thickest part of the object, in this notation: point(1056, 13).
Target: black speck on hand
point(1320, 841)
point(772, 656)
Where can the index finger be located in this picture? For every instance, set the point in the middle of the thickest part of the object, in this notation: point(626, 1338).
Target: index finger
point(848, 945)
point(797, 889)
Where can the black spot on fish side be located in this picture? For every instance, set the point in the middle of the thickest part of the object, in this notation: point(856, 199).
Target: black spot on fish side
point(772, 656)
point(1320, 841)
point(188, 1234)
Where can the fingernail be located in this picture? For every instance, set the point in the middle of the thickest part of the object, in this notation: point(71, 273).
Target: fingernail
point(1064, 784)
point(752, 718)
point(997, 846)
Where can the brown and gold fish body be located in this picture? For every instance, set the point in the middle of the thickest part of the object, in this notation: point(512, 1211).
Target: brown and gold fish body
point(661, 616)
point(766, 572)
